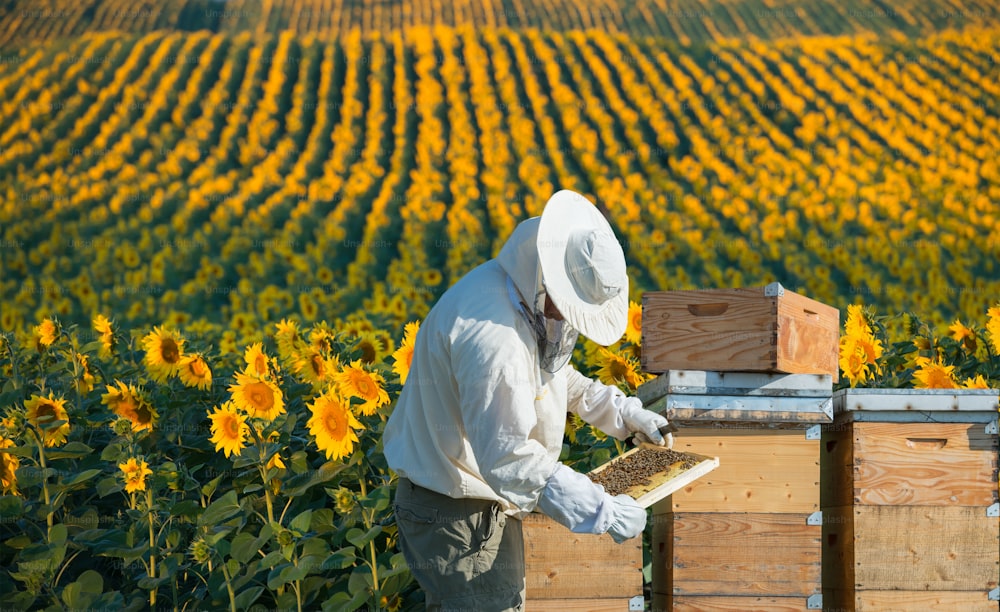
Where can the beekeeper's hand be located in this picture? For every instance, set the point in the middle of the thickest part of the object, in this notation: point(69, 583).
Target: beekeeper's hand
point(645, 423)
point(629, 519)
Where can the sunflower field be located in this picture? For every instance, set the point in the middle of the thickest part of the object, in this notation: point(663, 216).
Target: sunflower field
point(221, 224)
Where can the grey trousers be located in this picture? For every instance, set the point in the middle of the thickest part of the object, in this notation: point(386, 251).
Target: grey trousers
point(466, 554)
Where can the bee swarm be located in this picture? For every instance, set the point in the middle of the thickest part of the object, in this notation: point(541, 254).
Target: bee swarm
point(623, 473)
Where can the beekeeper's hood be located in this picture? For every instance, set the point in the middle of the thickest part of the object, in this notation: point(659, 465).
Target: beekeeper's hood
point(571, 254)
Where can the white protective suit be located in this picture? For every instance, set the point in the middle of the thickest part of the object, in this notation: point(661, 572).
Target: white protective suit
point(478, 418)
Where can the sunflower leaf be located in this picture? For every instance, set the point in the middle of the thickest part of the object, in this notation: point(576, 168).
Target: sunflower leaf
point(73, 450)
point(221, 509)
point(361, 538)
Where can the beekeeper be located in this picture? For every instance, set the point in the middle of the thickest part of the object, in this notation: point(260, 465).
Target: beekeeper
point(476, 434)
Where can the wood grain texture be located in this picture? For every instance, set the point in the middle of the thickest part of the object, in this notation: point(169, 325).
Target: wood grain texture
point(924, 464)
point(924, 548)
point(737, 554)
point(560, 564)
point(759, 471)
point(923, 601)
point(601, 604)
point(696, 603)
point(808, 334)
point(738, 330)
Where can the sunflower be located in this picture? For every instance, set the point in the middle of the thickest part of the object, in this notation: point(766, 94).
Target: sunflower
point(106, 335)
point(308, 307)
point(373, 348)
point(976, 383)
point(932, 374)
point(403, 356)
point(259, 398)
point(9, 464)
point(128, 402)
point(288, 338)
point(275, 460)
point(618, 368)
point(633, 331)
point(856, 324)
point(993, 327)
point(85, 381)
point(355, 381)
point(45, 334)
point(134, 472)
point(333, 425)
point(432, 278)
point(344, 500)
point(313, 367)
point(321, 337)
point(164, 350)
point(43, 412)
point(229, 429)
point(258, 363)
point(194, 372)
point(859, 349)
point(961, 333)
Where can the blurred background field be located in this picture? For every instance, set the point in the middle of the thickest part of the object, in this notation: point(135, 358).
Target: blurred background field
point(222, 165)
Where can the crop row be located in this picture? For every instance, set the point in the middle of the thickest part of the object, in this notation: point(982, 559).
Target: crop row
point(167, 177)
point(688, 22)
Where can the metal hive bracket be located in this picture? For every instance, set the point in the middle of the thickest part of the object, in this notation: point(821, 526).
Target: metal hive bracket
point(815, 602)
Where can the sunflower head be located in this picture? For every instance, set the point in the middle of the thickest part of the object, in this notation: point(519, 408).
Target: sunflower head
point(961, 333)
point(932, 374)
point(49, 416)
point(258, 363)
point(403, 356)
point(372, 348)
point(134, 472)
point(9, 465)
point(105, 333)
point(633, 330)
point(229, 429)
point(131, 404)
point(616, 369)
point(200, 550)
point(333, 425)
point(194, 372)
point(45, 334)
point(355, 381)
point(258, 397)
point(164, 350)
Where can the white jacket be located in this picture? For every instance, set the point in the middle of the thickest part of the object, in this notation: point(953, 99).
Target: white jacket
point(479, 418)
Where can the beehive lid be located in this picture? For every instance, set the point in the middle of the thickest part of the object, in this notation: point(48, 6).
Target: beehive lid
point(654, 473)
point(764, 384)
point(917, 405)
point(696, 396)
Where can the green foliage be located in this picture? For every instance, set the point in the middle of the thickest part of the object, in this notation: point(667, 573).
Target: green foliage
point(206, 532)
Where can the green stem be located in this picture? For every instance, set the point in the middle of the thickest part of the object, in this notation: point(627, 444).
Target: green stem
point(152, 547)
point(268, 499)
point(13, 362)
point(369, 520)
point(45, 484)
point(229, 586)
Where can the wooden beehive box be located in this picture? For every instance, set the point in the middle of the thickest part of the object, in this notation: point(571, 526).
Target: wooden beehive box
point(757, 329)
point(579, 572)
point(909, 500)
point(746, 536)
